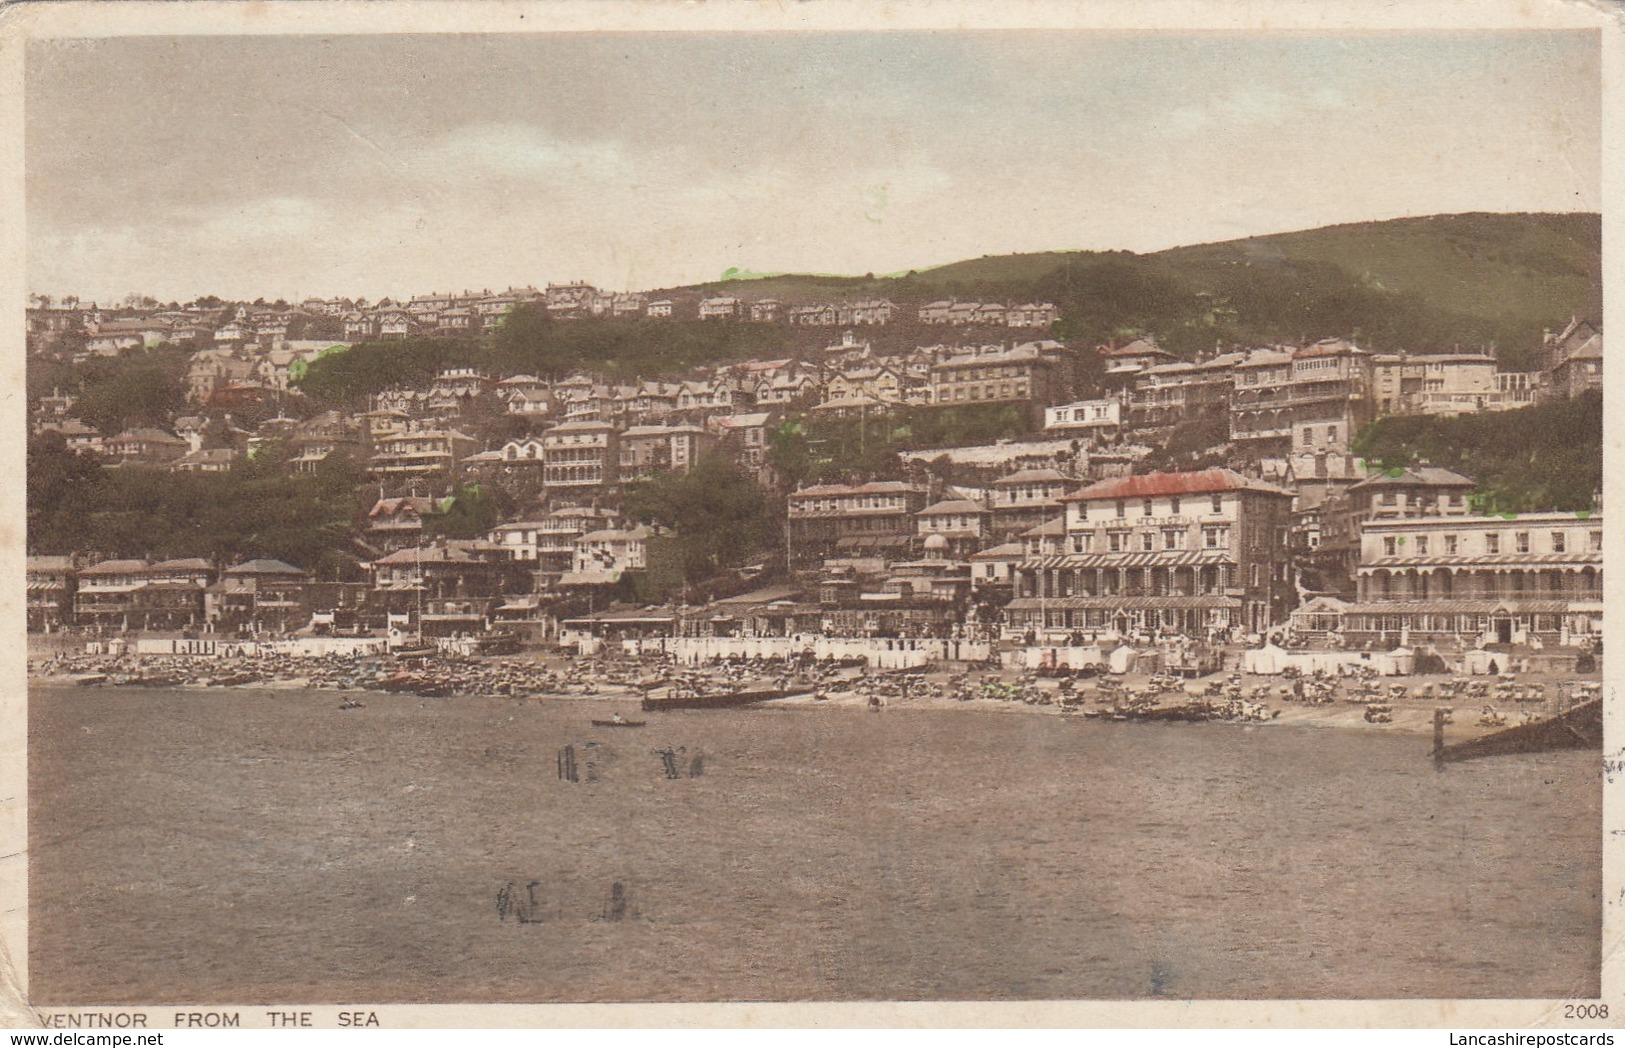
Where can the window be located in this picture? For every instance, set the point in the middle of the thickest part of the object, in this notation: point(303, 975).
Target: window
point(1560, 542)
point(1122, 508)
point(1148, 540)
point(1492, 542)
point(1331, 433)
point(1450, 544)
point(1218, 503)
point(1215, 538)
point(1596, 541)
point(1115, 541)
point(1390, 546)
point(1080, 543)
point(1145, 509)
point(1522, 539)
point(1422, 544)
point(1308, 434)
point(1173, 538)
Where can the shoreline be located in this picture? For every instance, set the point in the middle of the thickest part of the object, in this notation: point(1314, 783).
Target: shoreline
point(1410, 717)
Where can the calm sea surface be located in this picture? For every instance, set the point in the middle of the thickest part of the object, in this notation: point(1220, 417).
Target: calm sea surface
point(267, 846)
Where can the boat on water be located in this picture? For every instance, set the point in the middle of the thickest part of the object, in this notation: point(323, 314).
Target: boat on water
point(618, 723)
point(716, 700)
point(90, 680)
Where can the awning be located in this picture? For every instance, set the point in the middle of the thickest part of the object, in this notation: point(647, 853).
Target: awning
point(1468, 607)
point(872, 541)
point(1142, 559)
point(1122, 603)
point(1554, 561)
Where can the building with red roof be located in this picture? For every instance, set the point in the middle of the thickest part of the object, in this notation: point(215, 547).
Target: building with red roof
point(1196, 553)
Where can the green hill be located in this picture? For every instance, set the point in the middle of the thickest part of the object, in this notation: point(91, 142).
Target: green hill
point(1412, 283)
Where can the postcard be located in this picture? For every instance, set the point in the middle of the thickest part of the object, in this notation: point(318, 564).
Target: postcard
point(564, 514)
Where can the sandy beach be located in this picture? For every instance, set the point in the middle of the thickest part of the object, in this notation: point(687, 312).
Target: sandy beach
point(615, 681)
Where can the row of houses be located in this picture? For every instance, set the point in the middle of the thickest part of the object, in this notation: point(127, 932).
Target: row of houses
point(439, 588)
point(1311, 400)
point(473, 313)
point(1207, 553)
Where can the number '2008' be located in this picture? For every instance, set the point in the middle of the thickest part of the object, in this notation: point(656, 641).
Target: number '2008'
point(1585, 1011)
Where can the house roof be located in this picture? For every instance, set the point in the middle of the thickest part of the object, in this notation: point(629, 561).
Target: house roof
point(581, 511)
point(637, 534)
point(1032, 476)
point(580, 425)
point(264, 566)
point(1027, 351)
point(447, 554)
point(1264, 358)
point(184, 564)
point(392, 507)
point(115, 567)
point(1055, 526)
point(1412, 476)
point(952, 507)
point(874, 487)
point(744, 421)
point(1152, 484)
point(148, 435)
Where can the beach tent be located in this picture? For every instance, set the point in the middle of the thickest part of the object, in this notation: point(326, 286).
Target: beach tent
point(1122, 660)
point(1266, 660)
point(1397, 663)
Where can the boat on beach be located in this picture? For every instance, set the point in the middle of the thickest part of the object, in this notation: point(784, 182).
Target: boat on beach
point(618, 723)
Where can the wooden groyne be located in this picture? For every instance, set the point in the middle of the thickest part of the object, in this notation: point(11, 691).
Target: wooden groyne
point(1577, 728)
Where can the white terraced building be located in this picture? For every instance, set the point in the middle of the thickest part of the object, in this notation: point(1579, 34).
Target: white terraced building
point(1521, 579)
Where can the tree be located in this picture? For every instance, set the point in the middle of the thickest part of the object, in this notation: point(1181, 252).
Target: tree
point(790, 454)
point(143, 387)
point(469, 512)
point(717, 517)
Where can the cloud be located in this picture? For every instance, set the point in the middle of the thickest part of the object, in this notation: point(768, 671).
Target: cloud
point(1252, 107)
point(524, 151)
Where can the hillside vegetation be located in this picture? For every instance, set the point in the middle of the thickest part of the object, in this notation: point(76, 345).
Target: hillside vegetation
point(1544, 457)
point(1411, 283)
point(1417, 284)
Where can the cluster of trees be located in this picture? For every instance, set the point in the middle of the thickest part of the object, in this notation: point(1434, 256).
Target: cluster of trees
point(818, 450)
point(255, 510)
point(142, 386)
point(529, 342)
point(714, 518)
point(1544, 457)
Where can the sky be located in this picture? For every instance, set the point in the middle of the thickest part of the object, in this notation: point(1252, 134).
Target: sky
point(397, 165)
